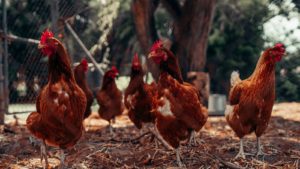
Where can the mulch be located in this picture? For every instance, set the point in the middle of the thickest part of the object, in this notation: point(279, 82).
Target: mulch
point(131, 148)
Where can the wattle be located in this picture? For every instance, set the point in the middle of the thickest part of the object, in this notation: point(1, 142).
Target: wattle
point(47, 51)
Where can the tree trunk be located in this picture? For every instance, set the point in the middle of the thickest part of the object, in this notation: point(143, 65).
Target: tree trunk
point(191, 30)
point(2, 87)
point(191, 33)
point(143, 11)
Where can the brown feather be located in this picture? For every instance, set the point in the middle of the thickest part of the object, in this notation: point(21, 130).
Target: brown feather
point(252, 100)
point(139, 97)
point(188, 112)
point(60, 105)
point(141, 101)
point(179, 110)
point(80, 77)
point(109, 98)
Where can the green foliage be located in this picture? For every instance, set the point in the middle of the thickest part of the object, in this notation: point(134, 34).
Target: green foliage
point(288, 83)
point(163, 22)
point(25, 19)
point(288, 70)
point(235, 41)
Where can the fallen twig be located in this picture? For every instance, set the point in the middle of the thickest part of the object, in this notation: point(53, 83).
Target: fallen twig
point(227, 164)
point(159, 138)
point(128, 140)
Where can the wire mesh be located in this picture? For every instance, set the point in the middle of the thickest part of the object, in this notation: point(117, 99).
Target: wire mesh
point(26, 19)
point(26, 72)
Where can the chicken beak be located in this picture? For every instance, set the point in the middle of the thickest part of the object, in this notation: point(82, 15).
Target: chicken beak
point(150, 55)
point(41, 46)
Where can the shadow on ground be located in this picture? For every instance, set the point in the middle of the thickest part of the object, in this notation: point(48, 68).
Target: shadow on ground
point(132, 148)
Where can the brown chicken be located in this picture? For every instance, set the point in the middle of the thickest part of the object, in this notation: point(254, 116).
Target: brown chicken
point(61, 103)
point(179, 112)
point(252, 99)
point(80, 77)
point(139, 96)
point(109, 98)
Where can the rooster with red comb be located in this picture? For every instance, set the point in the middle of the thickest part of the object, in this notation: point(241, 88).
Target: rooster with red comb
point(61, 103)
point(251, 100)
point(180, 112)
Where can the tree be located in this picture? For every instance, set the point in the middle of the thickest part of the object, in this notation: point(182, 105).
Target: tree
point(191, 25)
point(285, 13)
point(235, 41)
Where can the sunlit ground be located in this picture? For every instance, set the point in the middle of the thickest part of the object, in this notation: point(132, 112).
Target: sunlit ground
point(216, 148)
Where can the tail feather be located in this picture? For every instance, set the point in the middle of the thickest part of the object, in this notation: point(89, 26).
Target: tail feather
point(235, 78)
point(228, 110)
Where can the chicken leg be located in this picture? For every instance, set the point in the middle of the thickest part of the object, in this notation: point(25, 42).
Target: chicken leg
point(33, 141)
point(178, 158)
point(62, 159)
point(192, 140)
point(44, 155)
point(241, 151)
point(259, 148)
point(111, 129)
point(159, 138)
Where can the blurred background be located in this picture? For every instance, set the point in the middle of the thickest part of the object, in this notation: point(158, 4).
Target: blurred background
point(210, 38)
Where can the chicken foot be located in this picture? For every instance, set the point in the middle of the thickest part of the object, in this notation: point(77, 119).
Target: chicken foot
point(178, 158)
point(259, 148)
point(111, 129)
point(44, 155)
point(33, 141)
point(156, 143)
point(160, 139)
point(192, 140)
point(62, 159)
point(241, 151)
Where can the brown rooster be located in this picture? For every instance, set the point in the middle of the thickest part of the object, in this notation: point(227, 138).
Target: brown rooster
point(139, 96)
point(61, 103)
point(179, 112)
point(109, 97)
point(252, 99)
point(80, 77)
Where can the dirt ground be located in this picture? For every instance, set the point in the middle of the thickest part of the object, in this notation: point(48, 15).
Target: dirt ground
point(132, 148)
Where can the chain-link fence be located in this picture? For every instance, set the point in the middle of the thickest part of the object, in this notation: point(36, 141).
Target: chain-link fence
point(75, 23)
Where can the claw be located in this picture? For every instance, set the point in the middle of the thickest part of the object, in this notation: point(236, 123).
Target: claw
point(62, 158)
point(155, 132)
point(33, 141)
point(259, 148)
point(178, 158)
point(241, 151)
point(193, 141)
point(44, 155)
point(111, 129)
point(156, 143)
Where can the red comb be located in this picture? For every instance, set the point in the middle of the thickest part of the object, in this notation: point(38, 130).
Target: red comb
point(45, 35)
point(157, 44)
point(84, 61)
point(279, 45)
point(84, 64)
point(136, 61)
point(113, 68)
